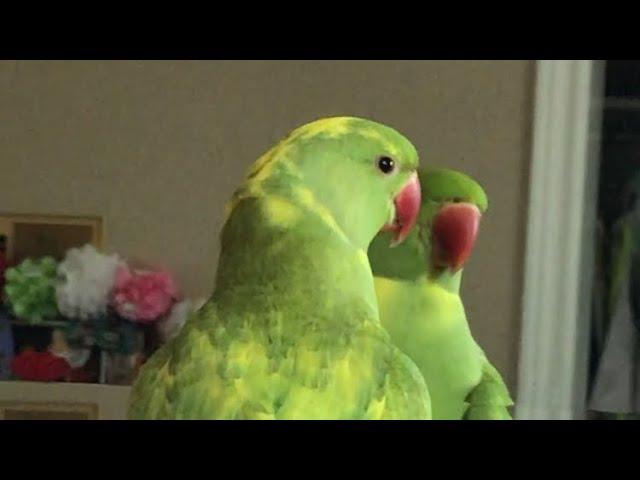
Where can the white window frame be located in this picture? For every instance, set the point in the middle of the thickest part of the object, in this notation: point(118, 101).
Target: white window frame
point(560, 240)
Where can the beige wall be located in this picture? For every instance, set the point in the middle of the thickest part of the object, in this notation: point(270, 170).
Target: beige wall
point(156, 148)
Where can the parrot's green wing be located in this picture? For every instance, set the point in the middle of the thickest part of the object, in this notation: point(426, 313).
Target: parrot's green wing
point(490, 400)
point(405, 385)
point(234, 374)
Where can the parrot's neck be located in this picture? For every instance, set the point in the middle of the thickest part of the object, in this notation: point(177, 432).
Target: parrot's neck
point(291, 262)
point(446, 279)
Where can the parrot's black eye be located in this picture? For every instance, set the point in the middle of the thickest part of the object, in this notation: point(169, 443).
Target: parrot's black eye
point(386, 165)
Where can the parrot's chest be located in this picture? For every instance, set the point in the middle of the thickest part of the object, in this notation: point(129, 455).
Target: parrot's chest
point(452, 367)
point(430, 326)
point(449, 359)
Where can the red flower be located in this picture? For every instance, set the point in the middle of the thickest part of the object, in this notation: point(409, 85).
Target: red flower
point(40, 367)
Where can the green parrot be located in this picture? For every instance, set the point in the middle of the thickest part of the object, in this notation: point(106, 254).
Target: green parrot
point(418, 290)
point(292, 329)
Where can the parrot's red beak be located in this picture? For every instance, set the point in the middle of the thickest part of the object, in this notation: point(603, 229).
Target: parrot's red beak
point(407, 206)
point(455, 229)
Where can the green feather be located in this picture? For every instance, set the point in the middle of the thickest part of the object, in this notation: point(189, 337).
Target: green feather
point(292, 329)
point(421, 308)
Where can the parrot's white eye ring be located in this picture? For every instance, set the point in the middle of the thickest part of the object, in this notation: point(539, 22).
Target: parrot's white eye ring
point(386, 164)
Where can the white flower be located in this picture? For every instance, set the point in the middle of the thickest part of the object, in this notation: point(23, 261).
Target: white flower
point(85, 279)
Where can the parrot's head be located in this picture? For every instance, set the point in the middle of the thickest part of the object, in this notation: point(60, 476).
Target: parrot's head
point(357, 176)
point(452, 206)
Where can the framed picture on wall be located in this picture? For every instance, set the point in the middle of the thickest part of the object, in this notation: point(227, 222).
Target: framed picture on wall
point(39, 235)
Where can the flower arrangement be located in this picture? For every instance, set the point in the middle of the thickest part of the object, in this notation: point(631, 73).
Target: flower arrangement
point(85, 280)
point(171, 324)
point(30, 289)
point(91, 302)
point(141, 295)
point(31, 365)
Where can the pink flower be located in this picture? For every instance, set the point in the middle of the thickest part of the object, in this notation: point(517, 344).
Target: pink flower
point(141, 295)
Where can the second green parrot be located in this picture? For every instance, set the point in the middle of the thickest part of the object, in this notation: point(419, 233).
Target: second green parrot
point(418, 289)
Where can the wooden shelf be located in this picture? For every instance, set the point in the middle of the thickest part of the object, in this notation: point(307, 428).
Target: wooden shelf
point(42, 400)
point(43, 323)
